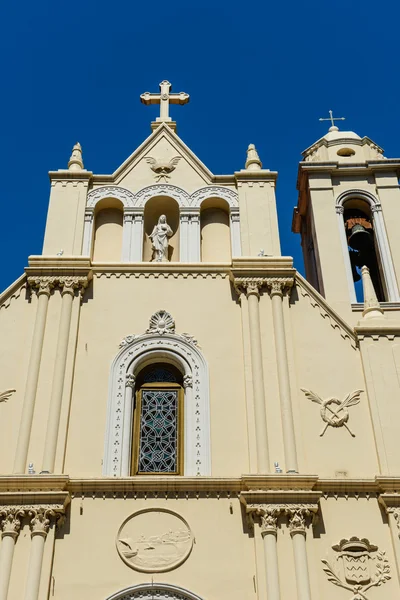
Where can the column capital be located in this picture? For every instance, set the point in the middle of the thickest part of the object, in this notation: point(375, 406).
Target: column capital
point(279, 285)
point(69, 284)
point(10, 521)
point(40, 520)
point(269, 523)
point(249, 285)
point(42, 285)
point(299, 515)
point(130, 380)
point(299, 519)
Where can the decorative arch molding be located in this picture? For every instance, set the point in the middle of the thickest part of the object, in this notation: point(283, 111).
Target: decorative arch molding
point(214, 191)
point(135, 353)
point(381, 239)
point(160, 189)
point(357, 193)
point(110, 191)
point(157, 591)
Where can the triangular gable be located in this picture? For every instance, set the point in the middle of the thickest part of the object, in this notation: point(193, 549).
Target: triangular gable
point(179, 147)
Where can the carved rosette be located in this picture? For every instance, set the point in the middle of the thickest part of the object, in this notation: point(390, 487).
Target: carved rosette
point(10, 521)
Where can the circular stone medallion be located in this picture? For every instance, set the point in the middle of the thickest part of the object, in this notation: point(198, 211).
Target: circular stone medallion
point(154, 540)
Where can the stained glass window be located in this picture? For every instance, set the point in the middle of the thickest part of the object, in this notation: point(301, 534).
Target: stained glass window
point(159, 374)
point(158, 436)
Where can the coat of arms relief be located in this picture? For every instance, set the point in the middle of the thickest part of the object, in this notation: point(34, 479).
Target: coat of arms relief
point(359, 567)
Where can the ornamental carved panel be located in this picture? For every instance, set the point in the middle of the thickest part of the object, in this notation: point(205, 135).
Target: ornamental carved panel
point(154, 540)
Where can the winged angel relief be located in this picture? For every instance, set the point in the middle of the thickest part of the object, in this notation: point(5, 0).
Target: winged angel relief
point(4, 396)
point(335, 413)
point(162, 169)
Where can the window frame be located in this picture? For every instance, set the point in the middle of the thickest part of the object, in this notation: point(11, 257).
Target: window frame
point(136, 429)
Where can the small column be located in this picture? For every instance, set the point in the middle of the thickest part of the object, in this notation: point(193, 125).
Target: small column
point(69, 284)
point(39, 529)
point(127, 426)
point(252, 288)
point(189, 467)
point(88, 233)
point(269, 533)
point(10, 526)
point(385, 254)
point(235, 233)
point(394, 526)
point(297, 526)
point(194, 238)
point(184, 237)
point(44, 286)
point(136, 247)
point(277, 287)
point(346, 257)
point(127, 236)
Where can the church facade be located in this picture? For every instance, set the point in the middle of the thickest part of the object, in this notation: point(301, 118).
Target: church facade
point(184, 416)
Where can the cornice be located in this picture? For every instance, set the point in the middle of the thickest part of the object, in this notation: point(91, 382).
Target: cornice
point(335, 167)
point(163, 270)
point(36, 498)
point(33, 483)
point(257, 175)
point(302, 497)
point(377, 328)
point(57, 267)
point(66, 175)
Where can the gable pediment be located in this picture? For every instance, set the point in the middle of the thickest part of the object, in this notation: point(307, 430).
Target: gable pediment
point(162, 158)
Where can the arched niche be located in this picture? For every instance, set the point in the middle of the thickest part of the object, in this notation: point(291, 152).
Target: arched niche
point(368, 205)
point(150, 591)
point(154, 208)
point(108, 225)
point(215, 238)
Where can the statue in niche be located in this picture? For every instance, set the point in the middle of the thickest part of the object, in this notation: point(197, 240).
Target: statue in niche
point(159, 239)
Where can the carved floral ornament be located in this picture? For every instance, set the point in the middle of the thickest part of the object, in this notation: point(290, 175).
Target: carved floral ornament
point(334, 412)
point(253, 285)
point(161, 323)
point(359, 567)
point(67, 284)
point(39, 518)
point(298, 516)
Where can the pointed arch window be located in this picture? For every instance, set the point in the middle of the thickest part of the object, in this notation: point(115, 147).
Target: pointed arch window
point(158, 421)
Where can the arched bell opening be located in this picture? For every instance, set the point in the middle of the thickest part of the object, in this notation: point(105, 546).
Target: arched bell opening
point(154, 209)
point(108, 227)
point(215, 238)
point(363, 247)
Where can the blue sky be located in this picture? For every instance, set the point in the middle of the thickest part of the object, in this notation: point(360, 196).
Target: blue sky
point(257, 72)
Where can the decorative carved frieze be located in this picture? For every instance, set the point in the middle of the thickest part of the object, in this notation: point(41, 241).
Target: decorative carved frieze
point(355, 566)
point(334, 412)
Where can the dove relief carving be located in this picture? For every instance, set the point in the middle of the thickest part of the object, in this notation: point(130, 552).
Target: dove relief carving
point(6, 395)
point(162, 169)
point(334, 412)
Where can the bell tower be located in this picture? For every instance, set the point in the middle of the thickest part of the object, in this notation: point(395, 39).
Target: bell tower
point(347, 210)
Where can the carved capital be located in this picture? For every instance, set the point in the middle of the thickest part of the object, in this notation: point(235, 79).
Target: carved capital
point(68, 285)
point(269, 523)
point(42, 285)
point(130, 380)
point(249, 285)
point(187, 381)
point(10, 521)
point(40, 520)
point(279, 285)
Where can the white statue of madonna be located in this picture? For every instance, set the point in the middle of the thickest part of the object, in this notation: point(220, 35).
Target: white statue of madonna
point(159, 238)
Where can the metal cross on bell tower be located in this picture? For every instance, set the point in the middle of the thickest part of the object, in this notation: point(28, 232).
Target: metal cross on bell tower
point(332, 119)
point(164, 99)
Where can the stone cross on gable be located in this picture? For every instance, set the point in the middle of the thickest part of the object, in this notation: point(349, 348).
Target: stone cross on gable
point(164, 99)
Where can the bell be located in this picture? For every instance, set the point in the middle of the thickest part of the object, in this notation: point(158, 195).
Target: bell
point(360, 238)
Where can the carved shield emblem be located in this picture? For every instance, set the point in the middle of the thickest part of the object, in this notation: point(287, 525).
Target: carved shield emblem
point(356, 567)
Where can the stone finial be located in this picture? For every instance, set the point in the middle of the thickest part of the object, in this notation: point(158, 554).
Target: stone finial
point(253, 162)
point(75, 163)
point(372, 308)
